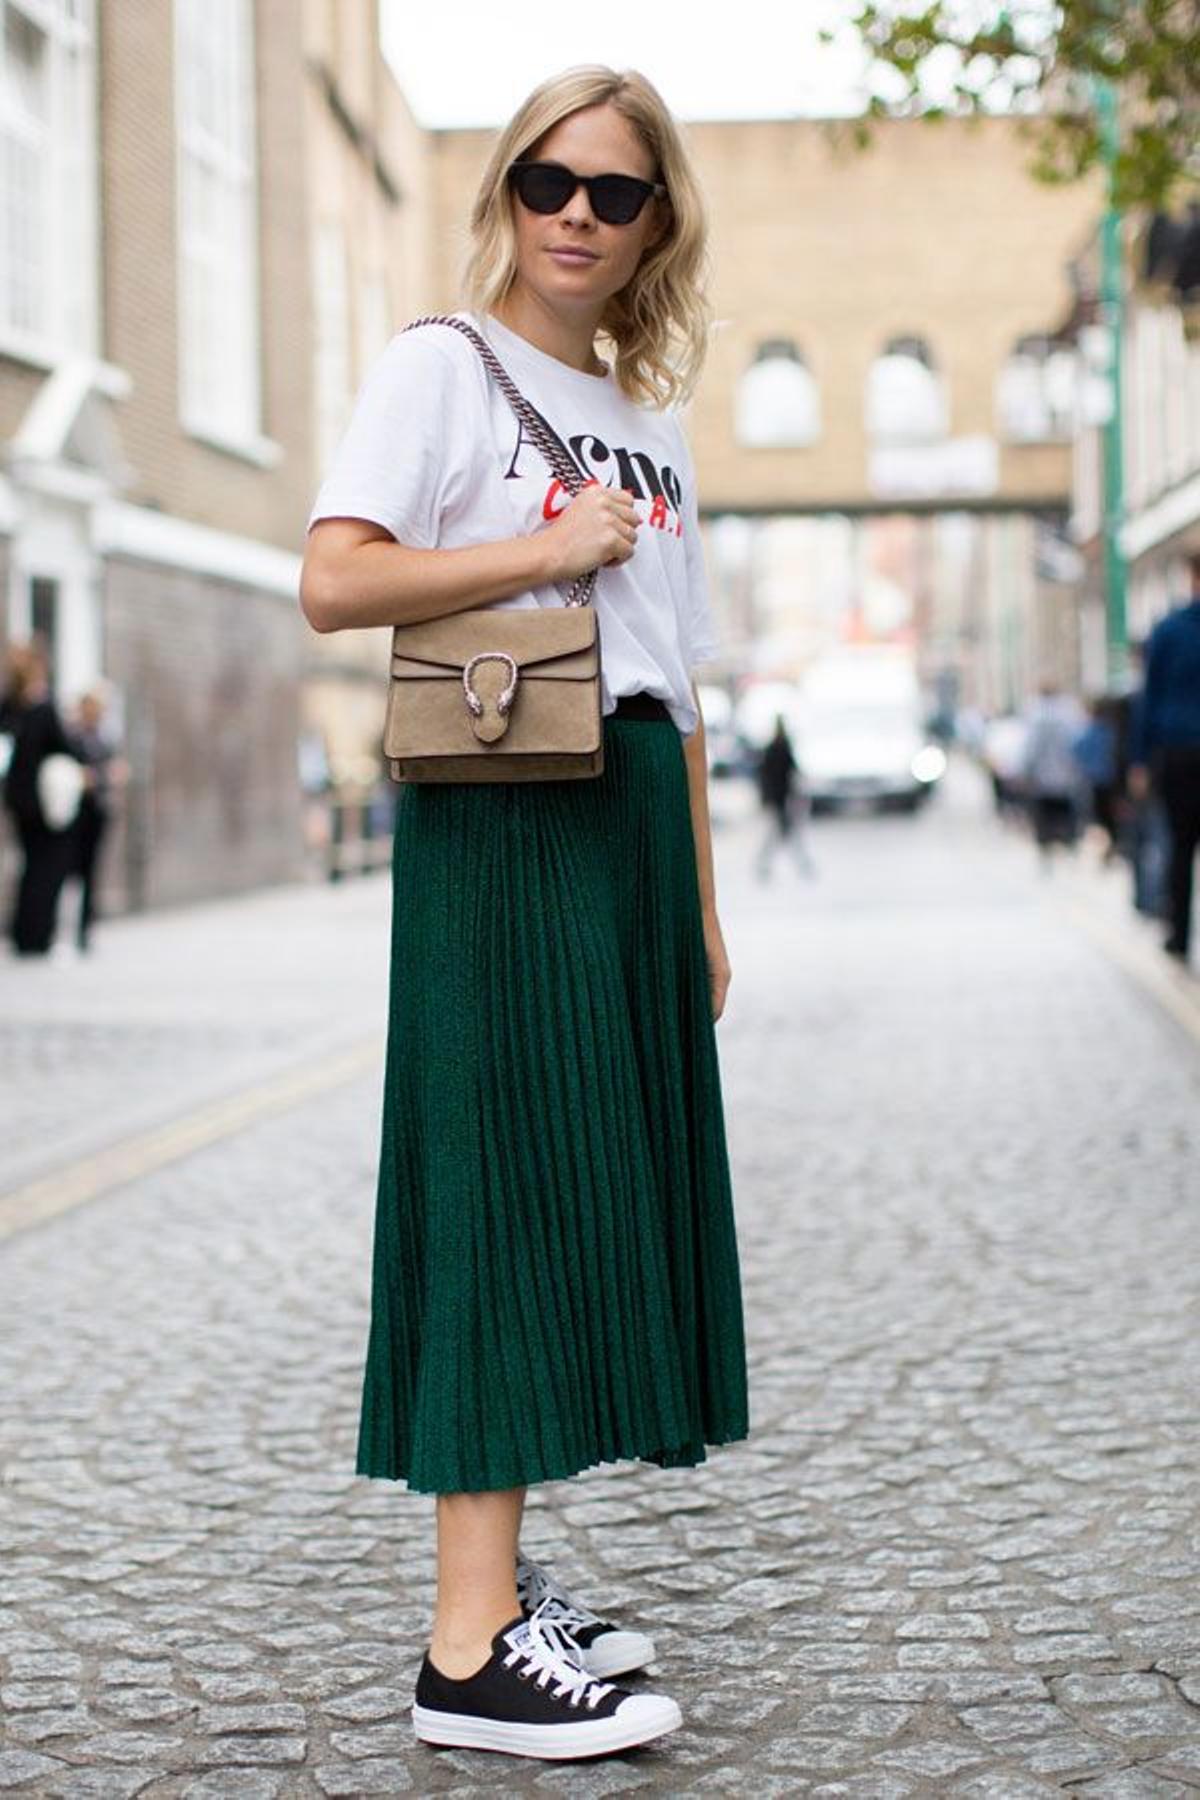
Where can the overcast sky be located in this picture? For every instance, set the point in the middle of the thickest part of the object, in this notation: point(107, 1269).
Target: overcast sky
point(471, 62)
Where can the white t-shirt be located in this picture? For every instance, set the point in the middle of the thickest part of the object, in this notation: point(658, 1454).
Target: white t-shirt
point(434, 453)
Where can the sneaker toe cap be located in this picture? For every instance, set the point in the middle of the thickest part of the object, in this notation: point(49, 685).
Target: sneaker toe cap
point(617, 1652)
point(651, 1715)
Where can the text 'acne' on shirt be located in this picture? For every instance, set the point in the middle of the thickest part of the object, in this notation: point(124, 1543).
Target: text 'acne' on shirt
point(614, 466)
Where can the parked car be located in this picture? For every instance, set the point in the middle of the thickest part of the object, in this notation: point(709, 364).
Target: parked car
point(862, 735)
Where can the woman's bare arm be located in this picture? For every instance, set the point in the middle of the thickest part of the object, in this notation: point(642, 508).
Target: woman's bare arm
point(696, 760)
point(355, 573)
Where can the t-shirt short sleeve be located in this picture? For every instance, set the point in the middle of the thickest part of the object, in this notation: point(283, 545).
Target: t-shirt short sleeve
point(702, 642)
point(406, 451)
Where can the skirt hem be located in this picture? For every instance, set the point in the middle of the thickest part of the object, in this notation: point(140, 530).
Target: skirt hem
point(689, 1457)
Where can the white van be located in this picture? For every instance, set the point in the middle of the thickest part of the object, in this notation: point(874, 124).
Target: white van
point(861, 731)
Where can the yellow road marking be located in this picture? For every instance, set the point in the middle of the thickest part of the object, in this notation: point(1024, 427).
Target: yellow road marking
point(1176, 992)
point(134, 1157)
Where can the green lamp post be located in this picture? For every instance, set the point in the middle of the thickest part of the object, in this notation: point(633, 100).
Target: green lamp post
point(1112, 297)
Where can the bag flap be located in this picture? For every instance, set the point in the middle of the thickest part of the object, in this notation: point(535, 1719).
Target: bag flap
point(527, 634)
point(578, 665)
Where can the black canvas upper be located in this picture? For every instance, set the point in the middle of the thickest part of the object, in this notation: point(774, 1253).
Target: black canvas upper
point(513, 1693)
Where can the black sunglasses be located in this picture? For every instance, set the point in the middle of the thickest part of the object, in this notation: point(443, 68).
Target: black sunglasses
point(545, 187)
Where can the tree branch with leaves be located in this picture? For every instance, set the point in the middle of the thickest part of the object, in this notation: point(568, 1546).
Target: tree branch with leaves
point(1043, 61)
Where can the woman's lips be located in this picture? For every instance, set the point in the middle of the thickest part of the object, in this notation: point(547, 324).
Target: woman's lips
point(561, 253)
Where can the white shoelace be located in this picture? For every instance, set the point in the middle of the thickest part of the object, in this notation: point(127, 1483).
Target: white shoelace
point(545, 1650)
point(537, 1588)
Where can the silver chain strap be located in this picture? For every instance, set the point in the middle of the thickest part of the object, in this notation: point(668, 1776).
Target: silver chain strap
point(559, 458)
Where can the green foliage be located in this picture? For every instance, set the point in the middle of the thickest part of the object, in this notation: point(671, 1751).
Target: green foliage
point(1046, 61)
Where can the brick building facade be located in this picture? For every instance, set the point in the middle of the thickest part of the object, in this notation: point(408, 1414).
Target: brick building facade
point(221, 219)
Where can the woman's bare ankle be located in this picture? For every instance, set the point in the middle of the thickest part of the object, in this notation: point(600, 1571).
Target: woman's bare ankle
point(459, 1648)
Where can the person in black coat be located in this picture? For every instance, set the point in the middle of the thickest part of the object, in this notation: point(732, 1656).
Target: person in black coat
point(96, 750)
point(1166, 753)
point(29, 716)
point(782, 798)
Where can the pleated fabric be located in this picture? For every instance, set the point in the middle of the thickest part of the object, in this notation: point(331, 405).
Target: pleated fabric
point(555, 1276)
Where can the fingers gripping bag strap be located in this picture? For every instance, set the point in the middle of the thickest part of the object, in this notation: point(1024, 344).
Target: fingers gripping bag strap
point(562, 464)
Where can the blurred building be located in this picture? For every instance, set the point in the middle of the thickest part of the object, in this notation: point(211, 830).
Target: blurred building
point(212, 214)
point(1160, 388)
point(369, 273)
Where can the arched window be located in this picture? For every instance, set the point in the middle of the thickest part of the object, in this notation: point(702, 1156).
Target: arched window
point(906, 402)
point(1036, 391)
point(778, 406)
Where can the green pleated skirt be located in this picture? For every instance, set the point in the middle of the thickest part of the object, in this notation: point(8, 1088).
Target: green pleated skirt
point(555, 1273)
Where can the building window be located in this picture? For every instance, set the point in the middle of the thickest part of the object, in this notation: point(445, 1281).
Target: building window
point(905, 400)
point(778, 405)
point(48, 164)
point(220, 389)
point(1036, 392)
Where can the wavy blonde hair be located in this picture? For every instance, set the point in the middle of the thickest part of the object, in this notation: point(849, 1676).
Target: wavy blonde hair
point(659, 322)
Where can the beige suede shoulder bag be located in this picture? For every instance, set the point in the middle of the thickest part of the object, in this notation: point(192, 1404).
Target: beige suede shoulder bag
point(500, 693)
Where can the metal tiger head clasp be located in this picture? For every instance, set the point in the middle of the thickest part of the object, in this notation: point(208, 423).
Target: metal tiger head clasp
point(489, 698)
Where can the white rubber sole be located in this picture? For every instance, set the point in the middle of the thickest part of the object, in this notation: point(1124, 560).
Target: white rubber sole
point(638, 1720)
point(617, 1653)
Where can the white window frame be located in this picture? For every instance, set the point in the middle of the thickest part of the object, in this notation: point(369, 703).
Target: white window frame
point(219, 286)
point(65, 314)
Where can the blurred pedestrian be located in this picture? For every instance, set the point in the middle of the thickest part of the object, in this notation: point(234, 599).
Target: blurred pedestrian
point(555, 1277)
point(1050, 772)
point(96, 745)
point(781, 791)
point(1095, 751)
point(1002, 747)
point(1167, 751)
point(1147, 839)
point(29, 717)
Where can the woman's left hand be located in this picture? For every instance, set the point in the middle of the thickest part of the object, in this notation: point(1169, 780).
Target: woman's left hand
point(719, 972)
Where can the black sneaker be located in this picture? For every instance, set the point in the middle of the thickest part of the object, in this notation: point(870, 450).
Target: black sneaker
point(531, 1698)
point(604, 1649)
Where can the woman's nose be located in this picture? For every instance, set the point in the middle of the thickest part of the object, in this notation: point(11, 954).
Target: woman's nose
point(579, 208)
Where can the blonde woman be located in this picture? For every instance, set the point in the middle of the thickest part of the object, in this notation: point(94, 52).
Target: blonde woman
point(555, 1270)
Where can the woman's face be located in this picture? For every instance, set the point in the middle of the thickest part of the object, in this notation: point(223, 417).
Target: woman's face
point(570, 260)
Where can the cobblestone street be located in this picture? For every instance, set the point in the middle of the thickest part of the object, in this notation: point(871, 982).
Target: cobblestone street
point(960, 1552)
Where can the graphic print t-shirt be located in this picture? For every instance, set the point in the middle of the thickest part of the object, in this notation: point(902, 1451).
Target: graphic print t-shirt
point(434, 453)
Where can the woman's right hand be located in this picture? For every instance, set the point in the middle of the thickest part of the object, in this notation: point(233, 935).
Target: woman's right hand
point(599, 526)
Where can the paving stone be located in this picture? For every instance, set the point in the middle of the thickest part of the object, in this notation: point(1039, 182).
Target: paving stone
point(1006, 1784)
point(125, 1746)
point(236, 1784)
point(100, 1784)
point(144, 1706)
point(282, 1716)
point(1067, 1647)
point(20, 1766)
point(1132, 1784)
point(865, 1787)
point(19, 1696)
point(934, 1758)
point(941, 1627)
point(39, 1665)
point(1090, 1690)
point(250, 1749)
point(366, 1705)
point(345, 1781)
point(42, 1727)
point(1002, 1725)
point(374, 1740)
